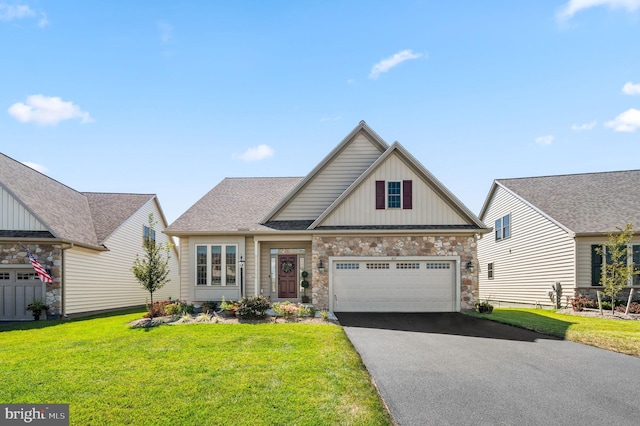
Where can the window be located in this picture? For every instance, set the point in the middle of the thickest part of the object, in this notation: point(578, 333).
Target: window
point(347, 266)
point(148, 234)
point(407, 266)
point(26, 276)
point(377, 266)
point(216, 265)
point(490, 270)
point(4, 276)
point(597, 262)
point(503, 227)
point(438, 265)
point(636, 264)
point(394, 194)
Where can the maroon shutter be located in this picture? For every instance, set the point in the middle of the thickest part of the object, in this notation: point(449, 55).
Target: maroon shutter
point(380, 204)
point(407, 198)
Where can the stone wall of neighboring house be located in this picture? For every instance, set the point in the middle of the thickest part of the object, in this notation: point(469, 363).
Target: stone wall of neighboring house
point(325, 246)
point(48, 255)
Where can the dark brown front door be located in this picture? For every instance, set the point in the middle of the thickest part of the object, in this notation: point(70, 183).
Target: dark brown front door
point(287, 276)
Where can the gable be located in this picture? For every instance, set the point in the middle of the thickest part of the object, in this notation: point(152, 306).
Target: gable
point(14, 216)
point(429, 205)
point(332, 176)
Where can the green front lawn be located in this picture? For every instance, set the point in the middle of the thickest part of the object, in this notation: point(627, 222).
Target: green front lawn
point(614, 335)
point(189, 374)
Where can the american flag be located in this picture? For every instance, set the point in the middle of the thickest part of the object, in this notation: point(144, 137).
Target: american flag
point(44, 277)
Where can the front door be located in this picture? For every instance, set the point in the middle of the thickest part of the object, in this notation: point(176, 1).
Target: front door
point(287, 276)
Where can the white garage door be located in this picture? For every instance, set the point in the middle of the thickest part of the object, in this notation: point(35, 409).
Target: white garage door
point(399, 285)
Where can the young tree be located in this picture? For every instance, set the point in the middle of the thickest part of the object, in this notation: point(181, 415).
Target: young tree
point(616, 272)
point(152, 271)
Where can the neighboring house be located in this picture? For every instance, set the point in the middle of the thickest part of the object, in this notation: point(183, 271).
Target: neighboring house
point(88, 242)
point(546, 230)
point(372, 228)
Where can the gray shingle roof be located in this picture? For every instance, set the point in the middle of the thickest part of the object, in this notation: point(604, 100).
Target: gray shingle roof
point(234, 204)
point(61, 209)
point(584, 203)
point(109, 211)
point(83, 218)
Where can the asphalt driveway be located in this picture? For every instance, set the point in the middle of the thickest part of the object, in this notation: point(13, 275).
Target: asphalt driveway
point(452, 369)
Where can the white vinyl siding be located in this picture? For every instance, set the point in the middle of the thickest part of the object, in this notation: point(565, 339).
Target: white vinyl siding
point(15, 217)
point(429, 208)
point(583, 257)
point(185, 273)
point(538, 254)
point(97, 280)
point(330, 182)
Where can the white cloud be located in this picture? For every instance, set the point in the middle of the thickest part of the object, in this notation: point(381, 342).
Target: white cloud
point(574, 6)
point(393, 61)
point(44, 21)
point(325, 119)
point(631, 89)
point(628, 121)
point(585, 126)
point(45, 110)
point(257, 153)
point(544, 140)
point(166, 31)
point(10, 12)
point(35, 166)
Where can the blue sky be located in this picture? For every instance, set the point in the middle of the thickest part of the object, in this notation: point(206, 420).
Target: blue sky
point(171, 97)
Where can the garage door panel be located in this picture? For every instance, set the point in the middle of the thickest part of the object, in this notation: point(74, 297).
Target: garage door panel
point(393, 286)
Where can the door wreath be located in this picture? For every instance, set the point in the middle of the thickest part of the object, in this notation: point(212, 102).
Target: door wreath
point(287, 266)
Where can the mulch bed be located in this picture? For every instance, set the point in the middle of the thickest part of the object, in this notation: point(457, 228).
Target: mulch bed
point(595, 313)
point(221, 319)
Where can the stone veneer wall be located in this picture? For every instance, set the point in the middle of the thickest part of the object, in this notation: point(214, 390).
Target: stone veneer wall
point(324, 247)
point(48, 255)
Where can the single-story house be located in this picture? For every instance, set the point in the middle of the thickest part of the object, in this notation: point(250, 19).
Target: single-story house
point(370, 228)
point(86, 241)
point(547, 229)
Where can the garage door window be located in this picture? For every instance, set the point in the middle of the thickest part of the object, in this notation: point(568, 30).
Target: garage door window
point(347, 266)
point(407, 266)
point(377, 266)
point(4, 276)
point(438, 265)
point(26, 276)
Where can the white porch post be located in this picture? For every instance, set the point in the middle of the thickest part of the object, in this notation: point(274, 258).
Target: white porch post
point(256, 256)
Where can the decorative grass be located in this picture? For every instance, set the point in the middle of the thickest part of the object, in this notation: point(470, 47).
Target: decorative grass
point(615, 335)
point(223, 374)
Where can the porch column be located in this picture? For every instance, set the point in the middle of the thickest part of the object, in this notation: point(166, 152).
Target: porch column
point(256, 256)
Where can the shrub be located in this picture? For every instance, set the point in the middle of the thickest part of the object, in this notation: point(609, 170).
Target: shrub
point(209, 307)
point(579, 303)
point(252, 307)
point(158, 309)
point(289, 310)
point(178, 307)
point(634, 308)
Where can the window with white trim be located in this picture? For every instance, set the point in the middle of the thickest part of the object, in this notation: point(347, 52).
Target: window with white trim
point(148, 234)
point(503, 227)
point(216, 265)
point(393, 195)
point(490, 270)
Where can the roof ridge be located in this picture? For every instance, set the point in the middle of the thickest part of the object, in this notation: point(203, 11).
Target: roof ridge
point(571, 174)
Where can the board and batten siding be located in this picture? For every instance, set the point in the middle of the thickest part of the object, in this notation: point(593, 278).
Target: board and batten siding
point(98, 280)
point(360, 207)
point(331, 181)
point(538, 254)
point(583, 257)
point(15, 217)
